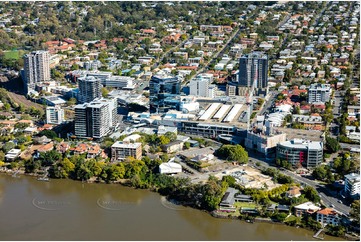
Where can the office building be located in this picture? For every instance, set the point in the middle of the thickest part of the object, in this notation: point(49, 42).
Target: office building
point(352, 185)
point(163, 89)
point(301, 152)
point(264, 142)
point(89, 89)
point(95, 119)
point(319, 93)
point(54, 115)
point(254, 68)
point(123, 82)
point(121, 150)
point(36, 68)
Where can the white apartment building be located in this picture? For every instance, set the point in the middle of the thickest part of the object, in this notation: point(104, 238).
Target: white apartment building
point(328, 216)
point(36, 68)
point(89, 89)
point(95, 119)
point(201, 87)
point(352, 184)
point(319, 93)
point(54, 115)
point(121, 150)
point(123, 82)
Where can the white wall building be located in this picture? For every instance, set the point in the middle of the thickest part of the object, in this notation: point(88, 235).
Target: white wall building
point(319, 93)
point(54, 115)
point(170, 168)
point(95, 119)
point(122, 150)
point(89, 89)
point(328, 216)
point(201, 87)
point(352, 184)
point(123, 82)
point(36, 68)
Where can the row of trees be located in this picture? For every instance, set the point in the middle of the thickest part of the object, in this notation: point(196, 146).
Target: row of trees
point(341, 165)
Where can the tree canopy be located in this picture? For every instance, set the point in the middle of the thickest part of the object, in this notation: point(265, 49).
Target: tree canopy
point(233, 153)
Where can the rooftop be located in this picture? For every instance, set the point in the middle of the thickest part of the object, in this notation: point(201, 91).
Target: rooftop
point(302, 144)
point(353, 176)
point(120, 144)
point(328, 211)
point(307, 206)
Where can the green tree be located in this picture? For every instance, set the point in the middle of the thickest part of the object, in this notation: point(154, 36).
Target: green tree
point(50, 134)
point(311, 194)
point(233, 153)
point(8, 146)
point(213, 192)
point(105, 92)
point(332, 144)
point(72, 101)
point(49, 158)
point(171, 136)
point(163, 140)
point(187, 145)
point(355, 211)
point(280, 216)
point(31, 165)
point(64, 168)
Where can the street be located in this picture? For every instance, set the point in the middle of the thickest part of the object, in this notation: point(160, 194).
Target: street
point(326, 195)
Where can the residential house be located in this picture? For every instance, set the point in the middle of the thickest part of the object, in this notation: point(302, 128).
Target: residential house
point(306, 208)
point(313, 121)
point(12, 154)
point(227, 202)
point(173, 146)
point(328, 216)
point(62, 147)
point(46, 147)
point(293, 192)
point(41, 140)
point(148, 32)
point(171, 39)
point(170, 168)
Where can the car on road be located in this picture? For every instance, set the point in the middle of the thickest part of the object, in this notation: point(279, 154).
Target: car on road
point(332, 206)
point(339, 201)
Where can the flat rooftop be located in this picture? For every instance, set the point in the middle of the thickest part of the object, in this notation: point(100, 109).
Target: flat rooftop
point(120, 144)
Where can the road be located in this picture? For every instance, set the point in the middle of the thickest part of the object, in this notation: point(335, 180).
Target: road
point(236, 33)
point(337, 104)
point(327, 196)
point(268, 103)
point(157, 63)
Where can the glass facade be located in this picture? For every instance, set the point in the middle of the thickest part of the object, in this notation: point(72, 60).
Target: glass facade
point(163, 93)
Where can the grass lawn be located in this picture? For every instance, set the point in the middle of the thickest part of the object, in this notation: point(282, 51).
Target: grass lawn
point(245, 205)
point(14, 54)
point(293, 218)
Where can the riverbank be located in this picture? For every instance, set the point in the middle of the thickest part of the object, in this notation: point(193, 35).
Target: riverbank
point(110, 212)
point(127, 183)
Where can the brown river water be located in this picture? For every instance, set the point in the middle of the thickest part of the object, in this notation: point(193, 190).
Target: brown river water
point(71, 210)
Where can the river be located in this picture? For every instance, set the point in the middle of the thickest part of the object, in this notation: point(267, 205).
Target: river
point(71, 210)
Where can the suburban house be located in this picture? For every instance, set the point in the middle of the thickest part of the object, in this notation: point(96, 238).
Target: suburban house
point(231, 196)
point(172, 147)
point(293, 192)
point(46, 147)
point(170, 168)
point(328, 216)
point(306, 208)
point(12, 154)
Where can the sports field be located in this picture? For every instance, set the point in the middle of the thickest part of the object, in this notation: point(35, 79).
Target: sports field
point(13, 54)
